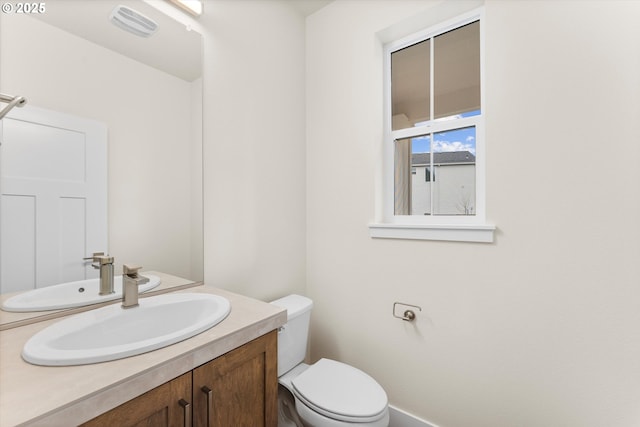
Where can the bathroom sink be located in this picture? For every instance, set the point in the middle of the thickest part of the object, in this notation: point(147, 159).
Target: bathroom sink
point(69, 295)
point(112, 332)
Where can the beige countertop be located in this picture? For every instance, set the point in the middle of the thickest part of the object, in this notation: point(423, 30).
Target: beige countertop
point(62, 396)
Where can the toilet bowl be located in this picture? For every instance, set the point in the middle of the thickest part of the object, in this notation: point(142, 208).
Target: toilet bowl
point(327, 393)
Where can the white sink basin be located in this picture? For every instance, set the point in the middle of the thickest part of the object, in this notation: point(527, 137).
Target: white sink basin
point(69, 295)
point(112, 332)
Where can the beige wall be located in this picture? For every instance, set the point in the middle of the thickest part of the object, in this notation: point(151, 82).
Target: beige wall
point(541, 328)
point(149, 202)
point(254, 148)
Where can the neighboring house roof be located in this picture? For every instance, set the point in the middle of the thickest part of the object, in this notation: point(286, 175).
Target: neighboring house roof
point(446, 157)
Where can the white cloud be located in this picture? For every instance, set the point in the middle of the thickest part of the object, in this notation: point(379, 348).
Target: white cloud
point(454, 146)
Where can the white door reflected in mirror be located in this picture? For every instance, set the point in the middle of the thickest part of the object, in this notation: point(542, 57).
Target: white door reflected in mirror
point(54, 197)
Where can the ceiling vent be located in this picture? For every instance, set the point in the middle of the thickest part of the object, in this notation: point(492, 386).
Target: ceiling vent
point(132, 21)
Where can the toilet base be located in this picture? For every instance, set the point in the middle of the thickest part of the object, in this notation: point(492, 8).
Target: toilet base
point(287, 414)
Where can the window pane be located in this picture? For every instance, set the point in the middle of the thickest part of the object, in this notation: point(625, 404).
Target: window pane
point(457, 71)
point(410, 85)
point(412, 179)
point(402, 177)
point(421, 181)
point(454, 169)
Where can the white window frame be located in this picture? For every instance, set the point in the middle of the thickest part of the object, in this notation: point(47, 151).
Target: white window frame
point(470, 228)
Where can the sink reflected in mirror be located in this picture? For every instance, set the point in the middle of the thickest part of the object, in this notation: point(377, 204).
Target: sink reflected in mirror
point(112, 332)
point(69, 295)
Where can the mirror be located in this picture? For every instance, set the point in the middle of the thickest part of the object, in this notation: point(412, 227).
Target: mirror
point(71, 59)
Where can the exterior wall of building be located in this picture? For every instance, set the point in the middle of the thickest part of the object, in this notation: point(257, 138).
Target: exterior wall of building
point(453, 188)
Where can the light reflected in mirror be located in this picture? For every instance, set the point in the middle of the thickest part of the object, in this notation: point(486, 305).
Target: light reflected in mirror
point(148, 94)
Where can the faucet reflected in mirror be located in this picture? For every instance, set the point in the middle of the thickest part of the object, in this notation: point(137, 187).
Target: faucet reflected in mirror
point(148, 209)
point(104, 263)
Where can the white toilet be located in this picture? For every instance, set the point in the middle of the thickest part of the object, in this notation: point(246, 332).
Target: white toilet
point(327, 393)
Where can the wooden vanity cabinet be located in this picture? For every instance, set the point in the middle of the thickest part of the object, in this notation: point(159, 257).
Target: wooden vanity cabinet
point(240, 388)
point(237, 389)
point(164, 406)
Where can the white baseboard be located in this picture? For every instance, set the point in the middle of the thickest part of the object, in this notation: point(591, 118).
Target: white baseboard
point(400, 418)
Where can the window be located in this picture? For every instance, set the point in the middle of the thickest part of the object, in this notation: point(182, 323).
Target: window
point(434, 122)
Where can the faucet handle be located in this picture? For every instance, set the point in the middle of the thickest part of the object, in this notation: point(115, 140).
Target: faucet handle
point(130, 270)
point(94, 256)
point(100, 259)
point(103, 259)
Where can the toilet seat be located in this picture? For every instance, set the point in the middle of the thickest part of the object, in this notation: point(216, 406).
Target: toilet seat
point(340, 392)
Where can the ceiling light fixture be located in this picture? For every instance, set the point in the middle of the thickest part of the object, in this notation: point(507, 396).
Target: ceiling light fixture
point(194, 7)
point(132, 21)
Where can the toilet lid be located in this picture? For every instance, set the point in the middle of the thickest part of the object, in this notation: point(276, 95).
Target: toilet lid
point(340, 391)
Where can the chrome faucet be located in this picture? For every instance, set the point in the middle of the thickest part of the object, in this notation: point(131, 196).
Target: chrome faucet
point(130, 282)
point(104, 263)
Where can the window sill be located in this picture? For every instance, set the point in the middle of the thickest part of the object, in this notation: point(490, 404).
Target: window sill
point(454, 233)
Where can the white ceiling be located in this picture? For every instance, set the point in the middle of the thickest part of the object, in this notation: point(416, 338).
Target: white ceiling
point(172, 48)
point(307, 7)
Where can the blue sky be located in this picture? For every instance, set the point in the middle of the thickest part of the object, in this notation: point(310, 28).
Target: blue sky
point(457, 140)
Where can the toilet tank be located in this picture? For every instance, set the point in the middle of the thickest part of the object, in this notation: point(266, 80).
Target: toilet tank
point(293, 336)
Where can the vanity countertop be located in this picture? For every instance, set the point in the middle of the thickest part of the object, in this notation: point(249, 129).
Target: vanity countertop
point(60, 396)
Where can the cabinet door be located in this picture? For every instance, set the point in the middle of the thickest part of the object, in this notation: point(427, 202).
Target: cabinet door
point(165, 406)
point(240, 388)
